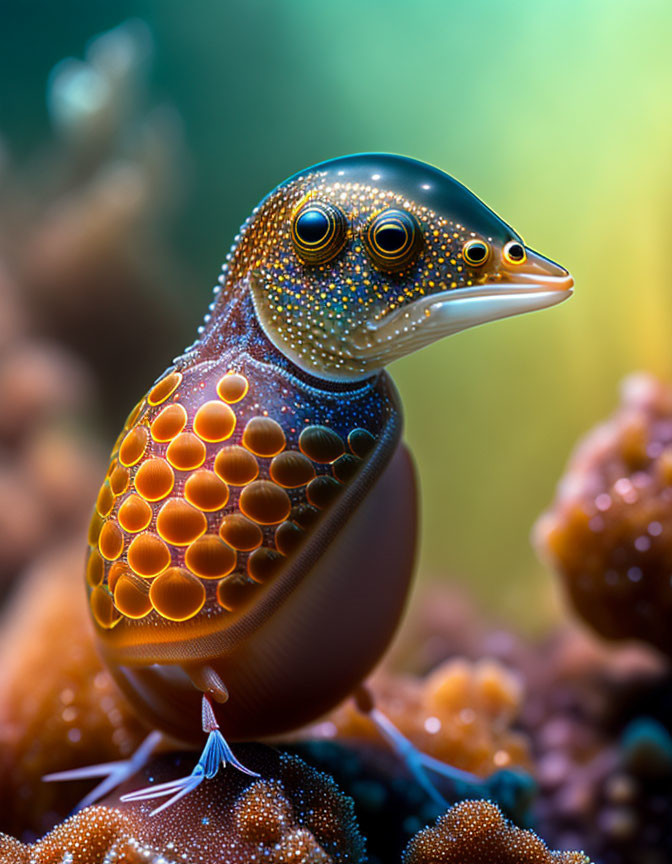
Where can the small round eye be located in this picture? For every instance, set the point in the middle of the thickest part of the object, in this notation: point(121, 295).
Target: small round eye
point(514, 252)
point(393, 238)
point(475, 252)
point(319, 231)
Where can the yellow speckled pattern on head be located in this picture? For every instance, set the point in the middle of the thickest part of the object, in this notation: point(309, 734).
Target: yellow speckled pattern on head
point(351, 264)
point(318, 313)
point(206, 497)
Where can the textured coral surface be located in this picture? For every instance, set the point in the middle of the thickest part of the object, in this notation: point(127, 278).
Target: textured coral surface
point(597, 719)
point(609, 533)
point(475, 832)
point(600, 721)
point(59, 708)
point(293, 815)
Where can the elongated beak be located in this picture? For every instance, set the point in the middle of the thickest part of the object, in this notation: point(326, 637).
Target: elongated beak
point(517, 288)
point(536, 284)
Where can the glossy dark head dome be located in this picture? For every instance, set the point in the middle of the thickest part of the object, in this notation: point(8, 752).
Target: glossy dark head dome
point(420, 182)
point(349, 262)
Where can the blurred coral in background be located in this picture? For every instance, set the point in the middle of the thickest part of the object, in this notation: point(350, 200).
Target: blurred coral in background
point(610, 530)
point(82, 233)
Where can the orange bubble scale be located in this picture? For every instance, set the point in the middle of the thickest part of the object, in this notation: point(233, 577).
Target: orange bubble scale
point(321, 444)
point(210, 558)
point(214, 421)
point(186, 452)
point(133, 446)
point(179, 523)
point(115, 572)
point(235, 591)
point(177, 595)
point(105, 500)
point(236, 466)
point(164, 388)
point(265, 502)
point(263, 564)
point(111, 541)
point(95, 568)
point(154, 479)
point(288, 537)
point(131, 596)
point(291, 469)
point(148, 555)
point(232, 387)
point(264, 437)
point(205, 490)
point(240, 532)
point(119, 479)
point(135, 413)
point(322, 491)
point(102, 608)
point(95, 527)
point(169, 423)
point(135, 514)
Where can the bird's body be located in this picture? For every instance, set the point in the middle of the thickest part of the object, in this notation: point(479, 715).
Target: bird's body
point(246, 470)
point(253, 540)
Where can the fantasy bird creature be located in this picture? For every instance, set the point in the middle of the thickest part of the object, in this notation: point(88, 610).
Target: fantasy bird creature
point(252, 544)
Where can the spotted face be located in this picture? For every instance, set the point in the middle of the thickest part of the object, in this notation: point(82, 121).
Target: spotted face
point(361, 260)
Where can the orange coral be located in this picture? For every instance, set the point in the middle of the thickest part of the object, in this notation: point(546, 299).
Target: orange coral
point(609, 533)
point(59, 708)
point(475, 832)
point(461, 713)
point(295, 815)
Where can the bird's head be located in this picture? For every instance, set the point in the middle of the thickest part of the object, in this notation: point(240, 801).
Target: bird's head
point(360, 260)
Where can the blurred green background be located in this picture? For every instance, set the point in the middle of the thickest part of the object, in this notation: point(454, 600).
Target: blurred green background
point(557, 115)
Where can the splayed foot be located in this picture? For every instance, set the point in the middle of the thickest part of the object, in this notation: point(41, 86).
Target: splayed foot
point(216, 754)
point(114, 773)
point(512, 789)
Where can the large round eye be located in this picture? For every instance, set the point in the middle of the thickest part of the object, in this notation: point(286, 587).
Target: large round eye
point(319, 231)
point(514, 252)
point(393, 238)
point(475, 252)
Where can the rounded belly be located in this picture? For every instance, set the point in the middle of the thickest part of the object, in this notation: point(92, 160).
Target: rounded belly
point(321, 640)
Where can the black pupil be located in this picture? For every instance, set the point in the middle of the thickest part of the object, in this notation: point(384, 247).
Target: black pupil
point(477, 252)
point(516, 252)
point(391, 238)
point(312, 226)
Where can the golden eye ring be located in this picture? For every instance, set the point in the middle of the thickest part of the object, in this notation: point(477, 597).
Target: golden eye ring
point(476, 252)
point(393, 238)
point(319, 232)
point(514, 253)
